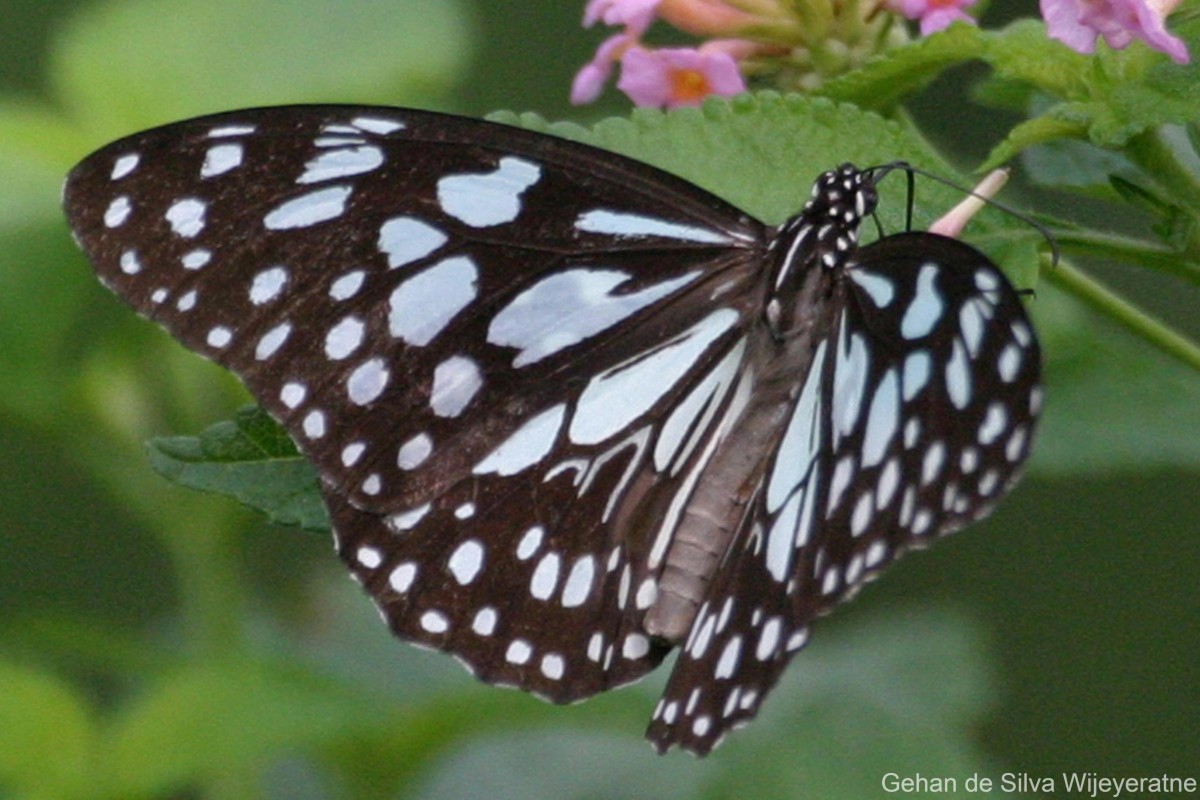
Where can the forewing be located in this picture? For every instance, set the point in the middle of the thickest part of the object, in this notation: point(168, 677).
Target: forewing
point(914, 420)
point(482, 337)
point(401, 289)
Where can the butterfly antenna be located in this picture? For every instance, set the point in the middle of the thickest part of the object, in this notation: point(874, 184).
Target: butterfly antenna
point(952, 222)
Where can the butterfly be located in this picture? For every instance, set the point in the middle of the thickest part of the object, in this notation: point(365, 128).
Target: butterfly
point(570, 412)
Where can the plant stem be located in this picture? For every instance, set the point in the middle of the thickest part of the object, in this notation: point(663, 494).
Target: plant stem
point(1129, 250)
point(1162, 161)
point(1133, 319)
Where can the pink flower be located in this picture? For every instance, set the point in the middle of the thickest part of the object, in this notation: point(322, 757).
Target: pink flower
point(590, 80)
point(674, 77)
point(1078, 23)
point(635, 15)
point(933, 14)
point(713, 17)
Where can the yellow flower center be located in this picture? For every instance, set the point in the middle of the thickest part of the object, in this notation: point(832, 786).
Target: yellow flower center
point(689, 85)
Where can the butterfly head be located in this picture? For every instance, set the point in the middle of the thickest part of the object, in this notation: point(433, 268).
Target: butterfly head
point(841, 198)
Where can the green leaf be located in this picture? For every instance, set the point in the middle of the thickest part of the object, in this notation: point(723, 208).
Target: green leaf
point(887, 80)
point(1109, 98)
point(209, 720)
point(1023, 53)
point(762, 151)
point(48, 740)
point(129, 64)
point(1039, 130)
point(251, 459)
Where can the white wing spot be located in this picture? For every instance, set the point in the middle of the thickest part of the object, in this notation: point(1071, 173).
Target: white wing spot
point(402, 577)
point(482, 200)
point(267, 285)
point(130, 264)
point(465, 511)
point(466, 561)
point(314, 424)
point(341, 163)
point(958, 376)
point(931, 464)
point(221, 158)
point(196, 259)
point(293, 393)
point(484, 622)
point(626, 225)
point(802, 437)
point(272, 340)
point(187, 301)
point(553, 666)
point(579, 582)
point(728, 662)
point(881, 290)
point(530, 542)
point(876, 553)
point(413, 453)
point(797, 640)
point(407, 239)
point(635, 646)
point(231, 130)
point(850, 380)
point(308, 209)
point(768, 638)
point(647, 593)
point(219, 337)
point(926, 307)
point(352, 452)
point(1016, 444)
point(620, 395)
point(124, 165)
point(380, 126)
point(545, 577)
point(917, 368)
point(565, 308)
point(528, 445)
point(994, 423)
point(971, 323)
point(986, 280)
point(344, 338)
point(408, 519)
point(421, 307)
point(435, 622)
point(456, 381)
point(595, 646)
point(1009, 363)
point(519, 652)
point(883, 419)
point(367, 381)
point(369, 557)
point(347, 285)
point(117, 212)
point(860, 518)
point(187, 217)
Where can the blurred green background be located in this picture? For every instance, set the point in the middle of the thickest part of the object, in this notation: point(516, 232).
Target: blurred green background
point(162, 644)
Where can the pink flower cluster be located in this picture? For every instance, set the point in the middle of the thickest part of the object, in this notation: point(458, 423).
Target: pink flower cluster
point(1078, 23)
point(669, 76)
point(741, 31)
